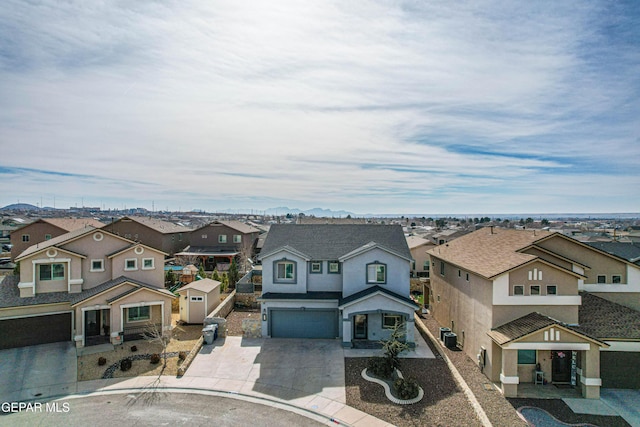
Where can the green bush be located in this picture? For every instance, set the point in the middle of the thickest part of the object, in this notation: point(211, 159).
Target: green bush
point(380, 367)
point(406, 388)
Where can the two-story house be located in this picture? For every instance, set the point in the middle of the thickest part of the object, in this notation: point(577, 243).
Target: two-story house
point(347, 281)
point(156, 233)
point(515, 300)
point(44, 229)
point(89, 286)
point(216, 244)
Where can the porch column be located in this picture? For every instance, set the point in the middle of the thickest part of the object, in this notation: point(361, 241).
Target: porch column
point(347, 329)
point(590, 381)
point(509, 375)
point(410, 326)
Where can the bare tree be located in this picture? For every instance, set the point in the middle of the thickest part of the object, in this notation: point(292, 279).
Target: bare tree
point(244, 256)
point(157, 336)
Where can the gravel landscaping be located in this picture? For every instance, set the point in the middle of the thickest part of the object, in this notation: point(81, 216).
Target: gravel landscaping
point(234, 319)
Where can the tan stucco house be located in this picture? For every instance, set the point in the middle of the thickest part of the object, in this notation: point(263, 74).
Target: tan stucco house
point(518, 301)
point(89, 286)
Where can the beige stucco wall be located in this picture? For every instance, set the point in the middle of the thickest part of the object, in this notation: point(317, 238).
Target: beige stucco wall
point(549, 257)
point(598, 263)
point(69, 260)
point(506, 313)
point(567, 284)
point(153, 276)
point(100, 300)
point(419, 254)
point(468, 305)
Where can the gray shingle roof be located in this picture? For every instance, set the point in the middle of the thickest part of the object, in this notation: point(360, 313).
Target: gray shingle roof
point(84, 295)
point(628, 251)
point(528, 324)
point(331, 241)
point(299, 296)
point(372, 290)
point(10, 295)
point(607, 320)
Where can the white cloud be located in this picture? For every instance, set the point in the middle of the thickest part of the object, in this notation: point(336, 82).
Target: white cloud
point(373, 107)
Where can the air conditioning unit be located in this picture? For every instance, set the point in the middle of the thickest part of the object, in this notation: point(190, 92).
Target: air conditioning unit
point(444, 331)
point(450, 340)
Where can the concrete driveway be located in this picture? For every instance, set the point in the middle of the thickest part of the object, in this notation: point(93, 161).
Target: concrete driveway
point(39, 370)
point(287, 369)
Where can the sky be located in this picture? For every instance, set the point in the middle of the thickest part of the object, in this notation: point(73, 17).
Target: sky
point(370, 107)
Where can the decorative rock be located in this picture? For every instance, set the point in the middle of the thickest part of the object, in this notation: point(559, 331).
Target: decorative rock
point(387, 390)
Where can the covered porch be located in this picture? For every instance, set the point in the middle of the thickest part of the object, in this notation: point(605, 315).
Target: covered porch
point(548, 355)
point(370, 315)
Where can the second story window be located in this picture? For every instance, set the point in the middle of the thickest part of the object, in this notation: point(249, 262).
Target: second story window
point(334, 267)
point(616, 278)
point(222, 238)
point(148, 264)
point(518, 289)
point(51, 271)
point(442, 268)
point(376, 273)
point(131, 264)
point(237, 238)
point(552, 290)
point(535, 289)
point(25, 237)
point(285, 271)
point(97, 265)
point(47, 237)
point(316, 267)
point(602, 278)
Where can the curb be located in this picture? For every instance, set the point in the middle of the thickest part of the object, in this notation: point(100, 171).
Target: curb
point(482, 416)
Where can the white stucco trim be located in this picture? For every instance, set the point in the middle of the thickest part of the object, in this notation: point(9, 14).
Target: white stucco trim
point(35, 262)
point(509, 380)
point(632, 285)
point(76, 281)
point(631, 346)
point(24, 285)
point(546, 346)
point(366, 297)
point(590, 381)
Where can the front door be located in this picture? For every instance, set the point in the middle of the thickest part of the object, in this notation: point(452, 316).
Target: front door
point(561, 366)
point(360, 327)
point(92, 323)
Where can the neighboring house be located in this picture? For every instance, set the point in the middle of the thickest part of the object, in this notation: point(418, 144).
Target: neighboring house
point(629, 251)
point(336, 281)
point(217, 243)
point(44, 229)
point(420, 265)
point(513, 299)
point(445, 236)
point(198, 299)
point(89, 286)
point(162, 235)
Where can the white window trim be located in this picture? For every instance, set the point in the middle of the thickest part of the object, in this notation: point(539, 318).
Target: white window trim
point(319, 264)
point(385, 315)
point(140, 320)
point(134, 268)
point(196, 298)
point(237, 238)
point(372, 268)
point(97, 270)
point(153, 264)
point(547, 290)
point(222, 238)
point(514, 291)
point(531, 290)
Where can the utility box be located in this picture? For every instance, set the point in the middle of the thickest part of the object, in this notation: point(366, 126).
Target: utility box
point(450, 340)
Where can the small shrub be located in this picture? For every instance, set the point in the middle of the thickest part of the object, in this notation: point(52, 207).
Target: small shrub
point(182, 355)
point(380, 367)
point(406, 388)
point(134, 348)
point(155, 358)
point(125, 364)
point(102, 361)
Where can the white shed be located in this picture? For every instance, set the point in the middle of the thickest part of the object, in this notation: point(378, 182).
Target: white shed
point(197, 299)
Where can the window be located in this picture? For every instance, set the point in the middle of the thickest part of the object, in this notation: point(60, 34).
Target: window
point(47, 237)
point(25, 237)
point(127, 235)
point(442, 268)
point(237, 238)
point(179, 237)
point(616, 278)
point(552, 290)
point(138, 313)
point(285, 271)
point(376, 273)
point(51, 271)
point(316, 267)
point(222, 238)
point(148, 264)
point(204, 236)
point(427, 269)
point(131, 264)
point(459, 273)
point(389, 321)
point(334, 267)
point(197, 299)
point(535, 289)
point(602, 278)
point(97, 265)
point(526, 357)
point(467, 277)
point(518, 289)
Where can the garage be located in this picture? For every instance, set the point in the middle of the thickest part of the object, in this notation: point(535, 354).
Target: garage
point(304, 323)
point(35, 330)
point(615, 369)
